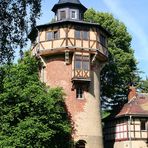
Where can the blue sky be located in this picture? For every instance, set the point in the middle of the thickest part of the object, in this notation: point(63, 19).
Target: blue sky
point(133, 13)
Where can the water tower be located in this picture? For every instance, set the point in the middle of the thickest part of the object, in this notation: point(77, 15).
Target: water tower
point(73, 53)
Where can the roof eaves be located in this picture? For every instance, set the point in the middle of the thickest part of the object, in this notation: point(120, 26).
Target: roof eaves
point(74, 21)
point(56, 6)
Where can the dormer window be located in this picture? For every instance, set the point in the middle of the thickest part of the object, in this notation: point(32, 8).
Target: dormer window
point(62, 15)
point(73, 14)
point(69, 9)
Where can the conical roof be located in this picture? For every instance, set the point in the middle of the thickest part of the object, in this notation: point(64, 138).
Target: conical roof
point(69, 1)
point(64, 3)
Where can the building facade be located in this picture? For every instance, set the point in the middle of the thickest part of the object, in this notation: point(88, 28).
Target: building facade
point(129, 127)
point(73, 52)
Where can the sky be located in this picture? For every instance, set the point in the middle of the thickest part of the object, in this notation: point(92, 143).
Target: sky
point(133, 13)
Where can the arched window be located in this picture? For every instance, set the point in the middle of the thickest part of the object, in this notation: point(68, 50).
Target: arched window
point(81, 144)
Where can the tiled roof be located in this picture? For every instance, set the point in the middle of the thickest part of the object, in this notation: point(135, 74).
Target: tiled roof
point(138, 106)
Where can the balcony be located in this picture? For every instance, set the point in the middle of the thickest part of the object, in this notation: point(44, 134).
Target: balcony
point(81, 75)
point(81, 67)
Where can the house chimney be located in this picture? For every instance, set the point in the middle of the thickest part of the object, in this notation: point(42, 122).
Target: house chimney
point(132, 93)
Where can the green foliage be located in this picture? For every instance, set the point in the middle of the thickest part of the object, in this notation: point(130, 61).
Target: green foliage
point(17, 17)
point(121, 68)
point(105, 114)
point(31, 114)
point(144, 86)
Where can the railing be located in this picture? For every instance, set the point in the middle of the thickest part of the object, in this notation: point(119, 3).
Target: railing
point(79, 74)
point(71, 43)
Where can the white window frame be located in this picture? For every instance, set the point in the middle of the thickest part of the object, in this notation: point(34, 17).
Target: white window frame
point(73, 10)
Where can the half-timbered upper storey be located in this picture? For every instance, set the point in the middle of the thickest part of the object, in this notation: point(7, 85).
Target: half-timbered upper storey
point(70, 35)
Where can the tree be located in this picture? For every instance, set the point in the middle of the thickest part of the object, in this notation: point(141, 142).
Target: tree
point(121, 68)
point(31, 114)
point(16, 19)
point(144, 86)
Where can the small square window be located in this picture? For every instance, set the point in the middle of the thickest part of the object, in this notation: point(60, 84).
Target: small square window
point(62, 15)
point(49, 36)
point(80, 34)
point(77, 34)
point(85, 35)
point(52, 35)
point(56, 34)
point(73, 14)
point(79, 92)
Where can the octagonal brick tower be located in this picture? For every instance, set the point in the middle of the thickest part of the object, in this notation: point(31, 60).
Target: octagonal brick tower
point(73, 53)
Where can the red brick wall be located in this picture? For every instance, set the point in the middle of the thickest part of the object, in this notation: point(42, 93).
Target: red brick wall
point(59, 74)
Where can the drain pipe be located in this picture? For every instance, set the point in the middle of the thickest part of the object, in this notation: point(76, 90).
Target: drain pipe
point(38, 41)
point(130, 137)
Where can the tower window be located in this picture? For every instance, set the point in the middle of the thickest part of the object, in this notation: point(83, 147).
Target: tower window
point(82, 62)
point(56, 34)
point(62, 15)
point(81, 66)
point(85, 35)
point(49, 36)
point(73, 14)
point(85, 64)
point(52, 35)
point(79, 34)
point(79, 92)
point(103, 40)
point(78, 62)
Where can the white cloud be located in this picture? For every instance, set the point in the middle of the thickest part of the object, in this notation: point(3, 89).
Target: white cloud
point(132, 24)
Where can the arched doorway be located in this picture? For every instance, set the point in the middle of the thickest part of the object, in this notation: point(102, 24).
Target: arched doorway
point(80, 144)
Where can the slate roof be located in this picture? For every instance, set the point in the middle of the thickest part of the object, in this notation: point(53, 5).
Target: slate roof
point(138, 106)
point(69, 3)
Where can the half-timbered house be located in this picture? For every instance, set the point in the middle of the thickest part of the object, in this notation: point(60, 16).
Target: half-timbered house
point(129, 127)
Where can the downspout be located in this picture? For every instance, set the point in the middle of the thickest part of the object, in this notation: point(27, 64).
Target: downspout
point(130, 138)
point(37, 51)
point(38, 42)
